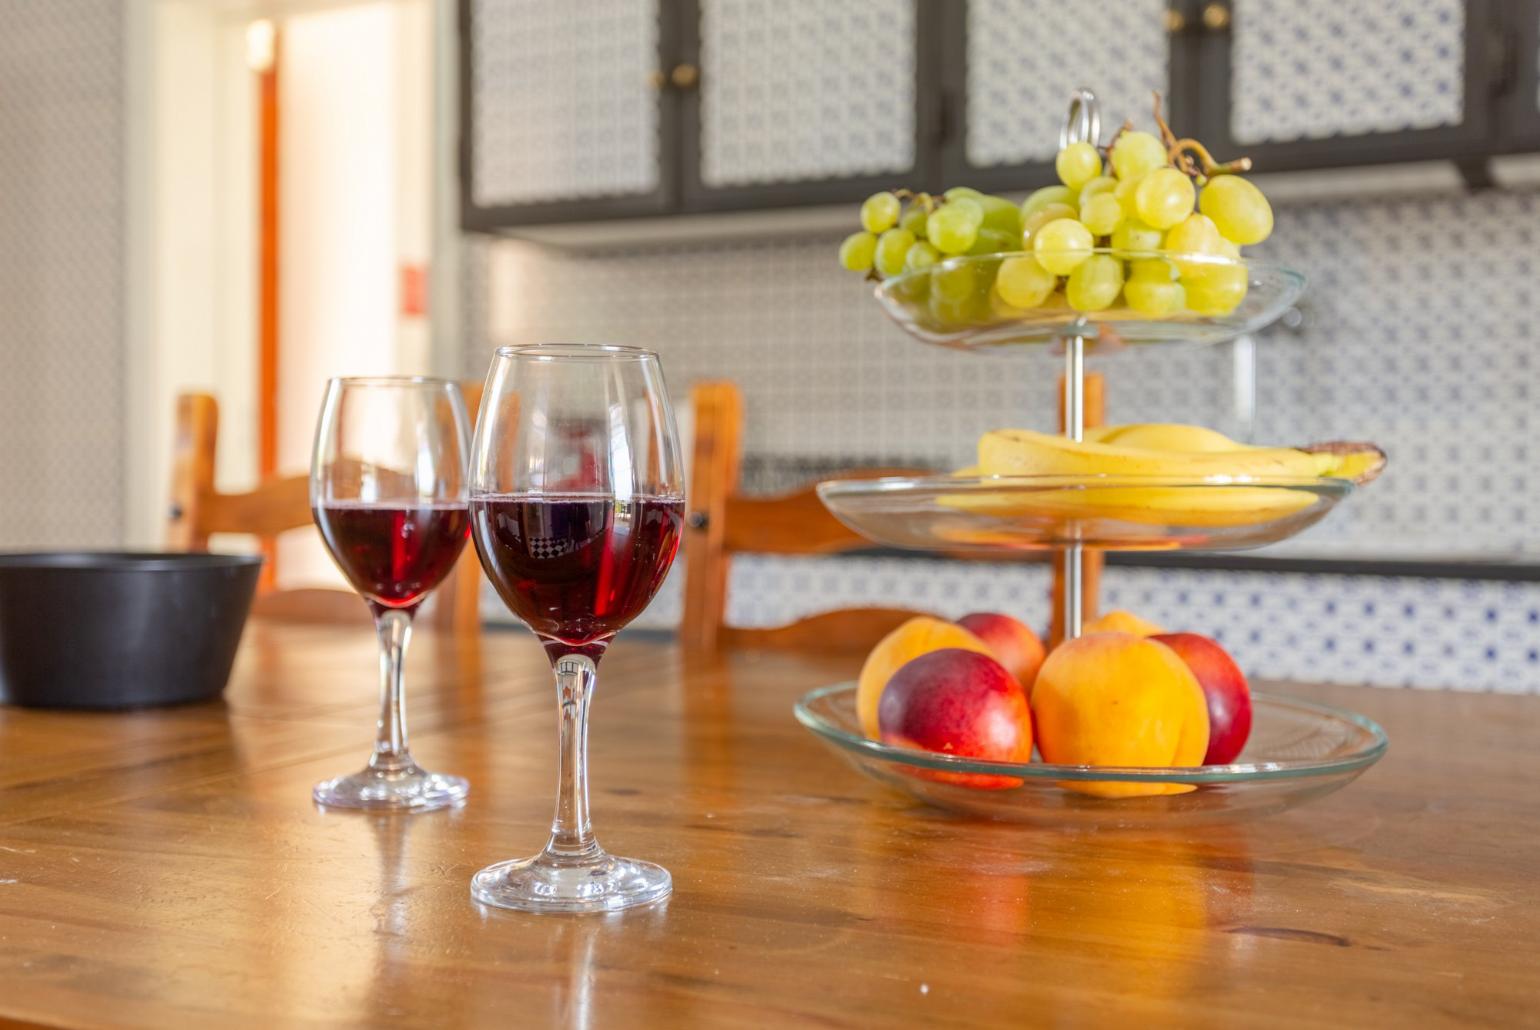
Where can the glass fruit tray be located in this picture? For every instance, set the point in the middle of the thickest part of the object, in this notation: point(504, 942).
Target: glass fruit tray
point(991, 514)
point(1297, 751)
point(955, 303)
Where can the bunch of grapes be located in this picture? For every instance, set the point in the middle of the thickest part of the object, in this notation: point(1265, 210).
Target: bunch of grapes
point(1152, 222)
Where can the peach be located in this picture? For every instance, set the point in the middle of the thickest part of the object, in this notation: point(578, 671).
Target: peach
point(1121, 700)
point(1121, 621)
point(1011, 641)
point(920, 635)
point(958, 702)
point(1224, 687)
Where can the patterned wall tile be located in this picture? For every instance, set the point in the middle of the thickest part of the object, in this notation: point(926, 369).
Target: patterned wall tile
point(61, 277)
point(1309, 69)
point(579, 117)
point(804, 89)
point(1026, 56)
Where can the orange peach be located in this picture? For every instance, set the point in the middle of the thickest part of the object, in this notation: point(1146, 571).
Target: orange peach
point(1121, 700)
point(1013, 643)
point(920, 635)
point(1121, 621)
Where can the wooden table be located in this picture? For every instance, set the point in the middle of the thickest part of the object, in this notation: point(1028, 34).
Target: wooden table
point(167, 869)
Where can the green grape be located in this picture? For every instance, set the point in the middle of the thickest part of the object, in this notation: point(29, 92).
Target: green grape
point(956, 281)
point(1164, 197)
point(1041, 217)
point(1125, 192)
point(1238, 208)
point(1101, 214)
point(1218, 291)
point(1024, 283)
point(858, 251)
point(892, 248)
point(1045, 196)
point(1100, 184)
point(962, 192)
point(1094, 285)
point(1136, 153)
point(1077, 164)
point(1153, 296)
point(1000, 214)
point(951, 228)
point(1061, 245)
point(1193, 235)
point(993, 241)
point(1134, 235)
point(921, 255)
point(879, 212)
point(914, 219)
point(1151, 270)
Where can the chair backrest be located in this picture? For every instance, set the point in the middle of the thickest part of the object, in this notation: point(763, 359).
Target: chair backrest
point(721, 523)
point(198, 510)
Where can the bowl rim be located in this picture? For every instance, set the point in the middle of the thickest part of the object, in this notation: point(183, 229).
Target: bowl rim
point(125, 561)
point(943, 483)
point(1240, 772)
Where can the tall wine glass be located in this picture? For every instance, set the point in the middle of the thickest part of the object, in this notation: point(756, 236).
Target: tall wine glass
point(387, 488)
point(577, 499)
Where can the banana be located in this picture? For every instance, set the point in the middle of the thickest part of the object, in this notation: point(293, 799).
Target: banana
point(1173, 456)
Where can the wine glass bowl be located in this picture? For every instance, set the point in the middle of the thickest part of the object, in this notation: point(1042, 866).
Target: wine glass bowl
point(956, 303)
point(388, 493)
point(577, 505)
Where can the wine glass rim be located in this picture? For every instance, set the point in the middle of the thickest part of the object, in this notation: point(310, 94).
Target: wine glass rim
point(576, 352)
point(437, 382)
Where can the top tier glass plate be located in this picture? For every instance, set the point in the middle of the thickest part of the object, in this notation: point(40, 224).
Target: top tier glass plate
point(955, 304)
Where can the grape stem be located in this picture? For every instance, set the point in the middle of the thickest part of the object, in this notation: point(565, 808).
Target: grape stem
point(1181, 151)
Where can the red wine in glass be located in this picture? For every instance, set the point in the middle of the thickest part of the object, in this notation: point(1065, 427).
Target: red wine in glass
point(576, 568)
point(394, 554)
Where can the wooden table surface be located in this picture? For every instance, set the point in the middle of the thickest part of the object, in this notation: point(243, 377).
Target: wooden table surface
point(167, 868)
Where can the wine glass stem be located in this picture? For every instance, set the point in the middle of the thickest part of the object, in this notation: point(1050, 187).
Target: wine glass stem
point(571, 834)
point(394, 627)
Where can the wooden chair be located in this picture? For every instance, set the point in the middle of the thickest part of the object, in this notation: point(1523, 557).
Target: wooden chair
point(199, 510)
point(720, 523)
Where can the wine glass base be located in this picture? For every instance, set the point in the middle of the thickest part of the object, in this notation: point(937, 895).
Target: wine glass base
point(548, 883)
point(407, 790)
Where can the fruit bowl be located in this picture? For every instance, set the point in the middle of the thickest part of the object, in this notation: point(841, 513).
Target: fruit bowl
point(1298, 751)
point(991, 514)
point(955, 303)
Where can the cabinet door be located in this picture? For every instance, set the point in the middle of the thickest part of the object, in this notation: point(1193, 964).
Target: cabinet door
point(1011, 66)
point(562, 114)
point(1521, 130)
point(1322, 83)
point(801, 101)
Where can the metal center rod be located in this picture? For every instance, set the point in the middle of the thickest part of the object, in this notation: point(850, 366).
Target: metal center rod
point(1074, 429)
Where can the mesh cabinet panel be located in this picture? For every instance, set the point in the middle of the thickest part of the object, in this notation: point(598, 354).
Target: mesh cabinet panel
point(563, 109)
point(799, 90)
point(1026, 56)
point(1311, 69)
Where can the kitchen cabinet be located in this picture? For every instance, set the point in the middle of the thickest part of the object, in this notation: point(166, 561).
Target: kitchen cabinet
point(1010, 65)
point(563, 114)
point(1326, 83)
point(1521, 62)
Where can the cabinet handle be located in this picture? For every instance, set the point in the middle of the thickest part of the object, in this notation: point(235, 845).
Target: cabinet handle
point(1175, 21)
point(656, 80)
point(1216, 17)
point(684, 76)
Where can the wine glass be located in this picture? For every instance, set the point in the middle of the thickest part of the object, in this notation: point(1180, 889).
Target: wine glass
point(577, 499)
point(387, 488)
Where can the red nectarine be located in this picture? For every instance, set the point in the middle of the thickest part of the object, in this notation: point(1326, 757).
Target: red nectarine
point(1225, 690)
point(958, 702)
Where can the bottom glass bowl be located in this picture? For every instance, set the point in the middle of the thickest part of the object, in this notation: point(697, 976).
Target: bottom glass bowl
point(1298, 751)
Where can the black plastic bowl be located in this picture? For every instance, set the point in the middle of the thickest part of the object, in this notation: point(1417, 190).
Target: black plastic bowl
point(90, 629)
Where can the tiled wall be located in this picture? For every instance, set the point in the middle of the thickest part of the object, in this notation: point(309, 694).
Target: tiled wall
point(61, 272)
point(1418, 334)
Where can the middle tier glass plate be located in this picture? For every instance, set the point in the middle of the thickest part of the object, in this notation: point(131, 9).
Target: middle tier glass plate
point(995, 514)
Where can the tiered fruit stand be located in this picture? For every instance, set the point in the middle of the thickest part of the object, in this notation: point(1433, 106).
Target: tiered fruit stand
point(1298, 751)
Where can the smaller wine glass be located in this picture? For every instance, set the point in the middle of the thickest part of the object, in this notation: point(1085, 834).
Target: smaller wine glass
point(388, 492)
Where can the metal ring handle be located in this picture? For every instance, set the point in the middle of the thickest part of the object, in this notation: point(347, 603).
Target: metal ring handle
point(1083, 124)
